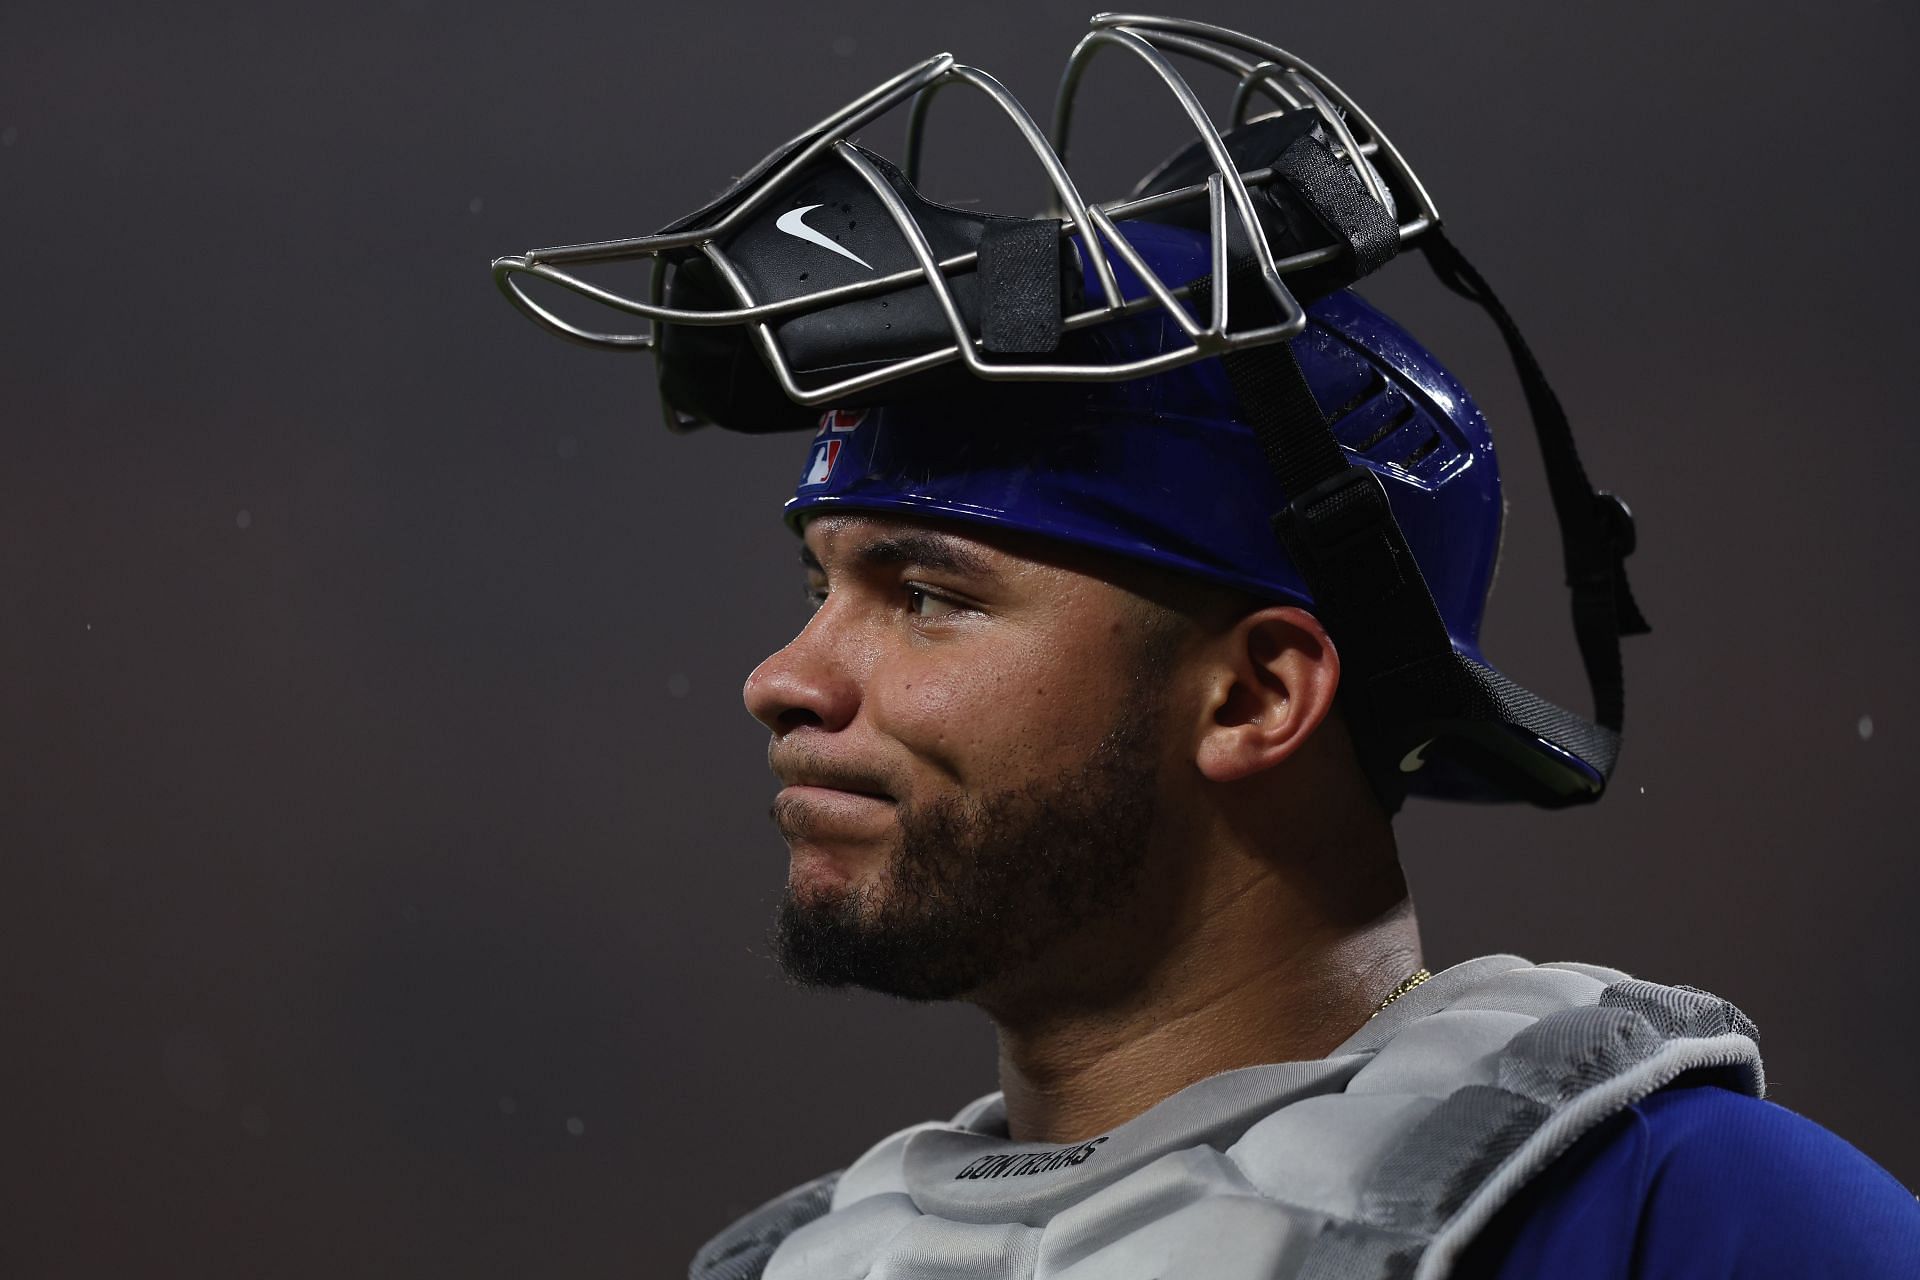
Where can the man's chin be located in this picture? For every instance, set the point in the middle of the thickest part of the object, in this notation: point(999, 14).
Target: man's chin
point(847, 939)
point(819, 877)
point(968, 897)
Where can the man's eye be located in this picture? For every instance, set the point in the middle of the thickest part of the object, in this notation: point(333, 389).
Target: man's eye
point(928, 605)
point(816, 596)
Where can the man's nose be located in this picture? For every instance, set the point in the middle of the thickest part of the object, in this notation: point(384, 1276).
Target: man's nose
point(805, 683)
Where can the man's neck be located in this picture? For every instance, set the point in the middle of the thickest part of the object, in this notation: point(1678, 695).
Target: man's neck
point(1253, 970)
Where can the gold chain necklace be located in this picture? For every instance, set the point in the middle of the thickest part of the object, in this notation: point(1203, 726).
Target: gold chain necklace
point(1411, 981)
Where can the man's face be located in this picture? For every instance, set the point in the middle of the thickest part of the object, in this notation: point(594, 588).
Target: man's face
point(969, 738)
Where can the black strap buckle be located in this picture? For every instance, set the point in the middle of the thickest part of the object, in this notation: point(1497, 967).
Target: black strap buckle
point(1616, 517)
point(1336, 533)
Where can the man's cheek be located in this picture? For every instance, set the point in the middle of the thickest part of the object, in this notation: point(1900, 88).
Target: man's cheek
point(933, 716)
point(966, 709)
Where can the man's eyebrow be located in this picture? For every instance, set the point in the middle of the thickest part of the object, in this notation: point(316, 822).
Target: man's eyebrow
point(928, 550)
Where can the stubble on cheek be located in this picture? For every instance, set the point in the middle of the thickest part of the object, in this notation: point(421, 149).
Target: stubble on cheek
point(977, 883)
point(973, 889)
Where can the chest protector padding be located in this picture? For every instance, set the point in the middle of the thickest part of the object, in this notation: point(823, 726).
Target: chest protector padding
point(1381, 1161)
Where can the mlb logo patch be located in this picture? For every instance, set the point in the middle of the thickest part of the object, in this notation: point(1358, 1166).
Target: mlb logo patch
point(820, 463)
point(840, 420)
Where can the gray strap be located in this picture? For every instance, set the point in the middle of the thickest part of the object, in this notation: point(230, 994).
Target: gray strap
point(1680, 1010)
point(741, 1251)
point(1446, 1157)
point(1562, 1056)
point(1358, 1251)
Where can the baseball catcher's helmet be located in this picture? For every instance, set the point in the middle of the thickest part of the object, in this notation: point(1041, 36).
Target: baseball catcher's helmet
point(1182, 376)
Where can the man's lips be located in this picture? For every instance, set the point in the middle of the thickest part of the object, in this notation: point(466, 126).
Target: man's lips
point(802, 773)
point(819, 791)
point(826, 799)
point(809, 814)
point(829, 801)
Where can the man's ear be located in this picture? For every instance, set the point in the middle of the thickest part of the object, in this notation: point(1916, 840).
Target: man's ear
point(1272, 680)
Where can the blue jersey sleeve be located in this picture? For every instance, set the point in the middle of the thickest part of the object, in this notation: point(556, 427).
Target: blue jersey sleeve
point(1700, 1183)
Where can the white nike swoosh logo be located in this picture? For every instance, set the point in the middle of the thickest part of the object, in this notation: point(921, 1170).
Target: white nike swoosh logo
point(792, 223)
point(1415, 759)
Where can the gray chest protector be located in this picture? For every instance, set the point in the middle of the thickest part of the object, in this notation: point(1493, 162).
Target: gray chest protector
point(1381, 1160)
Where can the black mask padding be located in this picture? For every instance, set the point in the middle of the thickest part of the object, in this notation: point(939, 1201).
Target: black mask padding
point(716, 372)
point(1309, 206)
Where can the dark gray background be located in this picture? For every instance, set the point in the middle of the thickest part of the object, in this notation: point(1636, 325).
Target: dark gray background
point(385, 852)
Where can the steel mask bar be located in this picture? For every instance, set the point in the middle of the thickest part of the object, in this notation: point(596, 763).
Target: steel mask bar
point(1274, 53)
point(1065, 194)
point(918, 85)
point(1216, 149)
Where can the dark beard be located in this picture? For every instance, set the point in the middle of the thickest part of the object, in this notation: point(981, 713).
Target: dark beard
point(978, 889)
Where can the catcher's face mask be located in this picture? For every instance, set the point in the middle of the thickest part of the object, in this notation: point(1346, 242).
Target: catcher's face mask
point(823, 279)
point(843, 278)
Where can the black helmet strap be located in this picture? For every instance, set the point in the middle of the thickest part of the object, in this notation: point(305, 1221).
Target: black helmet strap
point(1407, 686)
point(1596, 529)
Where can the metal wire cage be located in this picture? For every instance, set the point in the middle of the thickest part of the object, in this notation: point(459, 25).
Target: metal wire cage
point(1199, 310)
